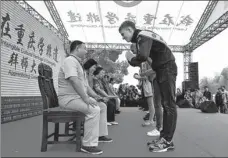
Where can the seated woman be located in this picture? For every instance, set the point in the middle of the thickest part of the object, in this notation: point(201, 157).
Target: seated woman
point(102, 91)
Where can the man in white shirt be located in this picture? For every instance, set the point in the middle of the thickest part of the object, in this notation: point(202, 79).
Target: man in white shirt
point(76, 94)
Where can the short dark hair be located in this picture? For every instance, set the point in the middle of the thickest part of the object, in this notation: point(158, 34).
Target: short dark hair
point(74, 44)
point(127, 24)
point(97, 71)
point(89, 63)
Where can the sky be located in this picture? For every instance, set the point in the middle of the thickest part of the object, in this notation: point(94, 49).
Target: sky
point(212, 56)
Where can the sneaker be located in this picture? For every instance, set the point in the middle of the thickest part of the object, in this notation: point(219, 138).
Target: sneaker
point(109, 124)
point(91, 150)
point(153, 142)
point(105, 139)
point(147, 123)
point(162, 146)
point(153, 133)
point(114, 123)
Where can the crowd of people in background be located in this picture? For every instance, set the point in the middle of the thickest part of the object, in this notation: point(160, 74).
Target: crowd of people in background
point(195, 98)
point(129, 95)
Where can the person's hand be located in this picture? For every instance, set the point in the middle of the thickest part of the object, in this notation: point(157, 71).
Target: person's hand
point(99, 99)
point(90, 102)
point(149, 60)
point(129, 55)
point(136, 76)
point(105, 99)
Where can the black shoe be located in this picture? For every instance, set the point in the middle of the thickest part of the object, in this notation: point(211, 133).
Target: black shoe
point(162, 146)
point(146, 109)
point(117, 112)
point(105, 139)
point(91, 150)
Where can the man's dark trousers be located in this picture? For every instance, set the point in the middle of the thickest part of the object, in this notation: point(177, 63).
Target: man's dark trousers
point(166, 77)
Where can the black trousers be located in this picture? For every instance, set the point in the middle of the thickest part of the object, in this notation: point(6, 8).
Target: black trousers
point(111, 109)
point(166, 77)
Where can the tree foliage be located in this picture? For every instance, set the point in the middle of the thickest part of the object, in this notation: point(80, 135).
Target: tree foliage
point(217, 81)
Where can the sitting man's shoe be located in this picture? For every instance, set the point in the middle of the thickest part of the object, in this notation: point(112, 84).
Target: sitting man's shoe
point(105, 139)
point(153, 133)
point(117, 112)
point(91, 150)
point(114, 123)
point(162, 146)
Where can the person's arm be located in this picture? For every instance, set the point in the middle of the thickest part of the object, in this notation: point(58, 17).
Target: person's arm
point(140, 77)
point(99, 90)
point(112, 89)
point(185, 96)
point(148, 72)
point(77, 84)
point(72, 73)
point(145, 45)
point(92, 93)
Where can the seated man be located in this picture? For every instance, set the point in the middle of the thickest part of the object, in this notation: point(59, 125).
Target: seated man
point(75, 94)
